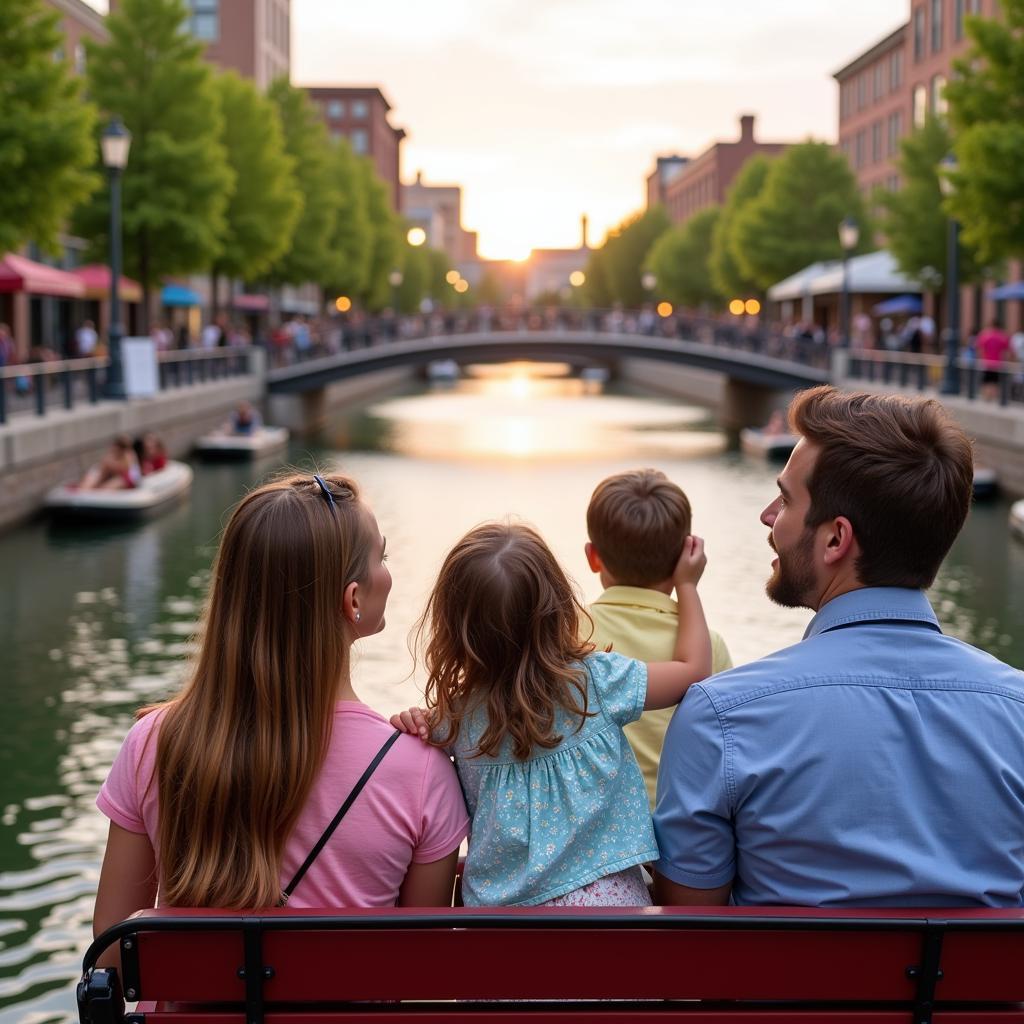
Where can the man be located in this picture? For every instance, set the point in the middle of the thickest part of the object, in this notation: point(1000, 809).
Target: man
point(878, 762)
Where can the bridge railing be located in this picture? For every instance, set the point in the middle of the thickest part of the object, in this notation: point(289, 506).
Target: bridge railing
point(65, 383)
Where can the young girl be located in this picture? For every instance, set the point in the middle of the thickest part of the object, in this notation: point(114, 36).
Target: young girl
point(534, 719)
point(219, 795)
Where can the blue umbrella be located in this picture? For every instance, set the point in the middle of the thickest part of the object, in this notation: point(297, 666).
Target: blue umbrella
point(897, 305)
point(1014, 290)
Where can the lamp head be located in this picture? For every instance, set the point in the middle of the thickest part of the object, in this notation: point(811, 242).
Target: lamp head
point(115, 143)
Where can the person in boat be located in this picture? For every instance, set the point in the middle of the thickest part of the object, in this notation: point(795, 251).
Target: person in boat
point(878, 762)
point(776, 424)
point(151, 453)
point(533, 716)
point(118, 470)
point(636, 524)
point(245, 420)
point(219, 796)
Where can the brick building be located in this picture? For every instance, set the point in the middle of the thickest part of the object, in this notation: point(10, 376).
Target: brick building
point(705, 180)
point(438, 210)
point(666, 168)
point(253, 37)
point(78, 22)
point(360, 114)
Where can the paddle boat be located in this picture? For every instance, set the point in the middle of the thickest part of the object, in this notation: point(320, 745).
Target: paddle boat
point(443, 371)
point(1017, 519)
point(229, 444)
point(155, 493)
point(986, 484)
point(776, 447)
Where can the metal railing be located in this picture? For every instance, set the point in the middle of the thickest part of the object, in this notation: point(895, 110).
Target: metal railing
point(65, 383)
point(1003, 384)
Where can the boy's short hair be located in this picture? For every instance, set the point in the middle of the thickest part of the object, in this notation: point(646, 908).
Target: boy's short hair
point(638, 521)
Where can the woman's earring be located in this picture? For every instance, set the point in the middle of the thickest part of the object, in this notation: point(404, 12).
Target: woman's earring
point(357, 616)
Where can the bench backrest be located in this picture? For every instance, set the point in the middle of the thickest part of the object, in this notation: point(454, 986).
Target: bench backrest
point(304, 966)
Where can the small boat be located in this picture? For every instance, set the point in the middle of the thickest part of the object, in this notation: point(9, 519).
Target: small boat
point(155, 493)
point(595, 374)
point(1017, 519)
point(986, 484)
point(226, 444)
point(776, 447)
point(443, 370)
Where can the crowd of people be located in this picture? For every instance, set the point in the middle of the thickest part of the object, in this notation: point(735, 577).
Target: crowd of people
point(878, 762)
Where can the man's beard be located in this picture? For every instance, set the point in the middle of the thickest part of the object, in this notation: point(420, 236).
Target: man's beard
point(792, 581)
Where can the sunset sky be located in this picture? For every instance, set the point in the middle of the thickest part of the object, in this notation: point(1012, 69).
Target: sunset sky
point(546, 109)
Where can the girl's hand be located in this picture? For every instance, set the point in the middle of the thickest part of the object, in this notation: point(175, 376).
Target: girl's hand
point(692, 561)
point(414, 722)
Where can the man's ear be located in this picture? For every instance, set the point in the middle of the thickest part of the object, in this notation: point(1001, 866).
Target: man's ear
point(840, 542)
point(593, 558)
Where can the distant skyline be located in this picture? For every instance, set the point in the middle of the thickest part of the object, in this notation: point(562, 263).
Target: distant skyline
point(543, 110)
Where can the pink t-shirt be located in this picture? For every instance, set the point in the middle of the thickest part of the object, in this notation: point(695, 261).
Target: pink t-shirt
point(993, 347)
point(411, 810)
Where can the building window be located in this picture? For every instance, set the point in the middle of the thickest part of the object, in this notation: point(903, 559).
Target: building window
point(862, 91)
point(920, 105)
point(335, 109)
point(80, 58)
point(939, 104)
point(879, 80)
point(896, 71)
point(360, 140)
point(204, 21)
point(895, 132)
point(918, 33)
point(360, 109)
point(858, 150)
point(937, 25)
point(959, 10)
point(876, 142)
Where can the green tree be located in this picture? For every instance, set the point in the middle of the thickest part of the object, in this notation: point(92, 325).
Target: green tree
point(728, 279)
point(596, 289)
point(348, 265)
point(915, 225)
point(265, 202)
point(490, 291)
point(680, 261)
point(415, 277)
point(385, 247)
point(47, 149)
point(308, 258)
point(176, 187)
point(986, 111)
point(626, 251)
point(795, 218)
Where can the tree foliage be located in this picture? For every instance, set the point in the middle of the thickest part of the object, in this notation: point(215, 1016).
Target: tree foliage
point(348, 266)
point(305, 139)
point(265, 202)
point(916, 226)
point(614, 272)
point(794, 220)
point(596, 289)
point(385, 246)
point(986, 111)
point(728, 279)
point(680, 261)
point(177, 183)
point(46, 129)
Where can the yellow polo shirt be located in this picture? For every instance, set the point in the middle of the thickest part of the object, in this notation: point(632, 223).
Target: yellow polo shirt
point(642, 624)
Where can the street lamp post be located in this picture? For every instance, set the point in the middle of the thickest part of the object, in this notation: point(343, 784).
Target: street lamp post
point(951, 377)
point(115, 144)
point(649, 281)
point(849, 236)
point(395, 279)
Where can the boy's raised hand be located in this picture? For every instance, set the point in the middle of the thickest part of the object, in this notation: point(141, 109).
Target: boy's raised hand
point(414, 722)
point(692, 561)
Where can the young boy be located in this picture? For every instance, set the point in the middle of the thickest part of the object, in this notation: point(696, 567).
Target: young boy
point(636, 523)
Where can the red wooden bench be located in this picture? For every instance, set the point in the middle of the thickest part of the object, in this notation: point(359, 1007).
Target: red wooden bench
point(735, 965)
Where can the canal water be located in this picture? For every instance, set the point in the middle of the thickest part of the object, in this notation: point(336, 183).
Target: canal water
point(95, 622)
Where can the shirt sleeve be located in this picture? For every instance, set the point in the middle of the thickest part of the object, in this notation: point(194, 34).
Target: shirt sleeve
point(692, 816)
point(621, 685)
point(721, 659)
point(120, 796)
point(444, 822)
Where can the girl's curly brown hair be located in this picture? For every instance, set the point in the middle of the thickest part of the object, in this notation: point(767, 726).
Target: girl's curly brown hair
point(503, 631)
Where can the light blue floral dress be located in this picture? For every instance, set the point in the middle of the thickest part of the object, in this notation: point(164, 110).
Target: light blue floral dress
point(566, 816)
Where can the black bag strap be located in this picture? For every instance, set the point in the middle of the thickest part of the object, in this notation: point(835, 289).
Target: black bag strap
point(342, 811)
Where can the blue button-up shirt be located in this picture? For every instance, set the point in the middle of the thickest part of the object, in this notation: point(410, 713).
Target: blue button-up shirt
point(876, 763)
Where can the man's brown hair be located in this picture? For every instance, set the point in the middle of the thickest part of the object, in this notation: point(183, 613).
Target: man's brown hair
point(900, 469)
point(638, 521)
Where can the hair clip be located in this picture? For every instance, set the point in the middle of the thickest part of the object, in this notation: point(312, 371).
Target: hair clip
point(324, 489)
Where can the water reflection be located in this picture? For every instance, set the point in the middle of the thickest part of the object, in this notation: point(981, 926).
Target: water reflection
point(96, 623)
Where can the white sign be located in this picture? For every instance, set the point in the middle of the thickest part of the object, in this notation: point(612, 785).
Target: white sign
point(141, 376)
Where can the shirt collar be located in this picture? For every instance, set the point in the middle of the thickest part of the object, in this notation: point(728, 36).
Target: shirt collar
point(872, 603)
point(639, 597)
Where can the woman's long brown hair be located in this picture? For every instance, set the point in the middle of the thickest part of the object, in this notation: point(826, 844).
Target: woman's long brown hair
point(503, 631)
point(239, 749)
